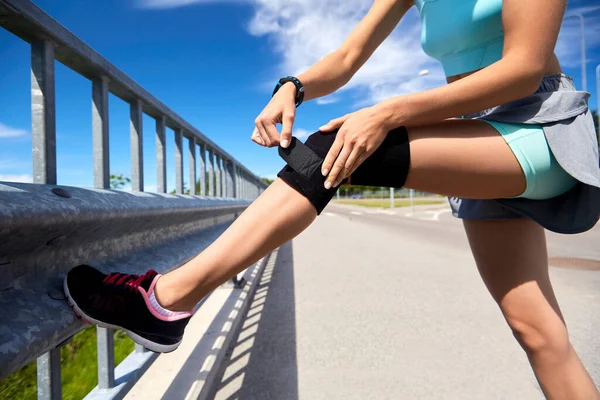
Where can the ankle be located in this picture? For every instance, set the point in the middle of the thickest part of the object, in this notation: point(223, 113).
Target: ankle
point(165, 297)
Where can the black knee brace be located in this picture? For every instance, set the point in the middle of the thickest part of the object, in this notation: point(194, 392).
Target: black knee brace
point(387, 166)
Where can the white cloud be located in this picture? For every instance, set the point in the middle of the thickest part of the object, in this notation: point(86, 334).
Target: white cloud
point(179, 3)
point(7, 131)
point(327, 100)
point(303, 31)
point(301, 133)
point(16, 178)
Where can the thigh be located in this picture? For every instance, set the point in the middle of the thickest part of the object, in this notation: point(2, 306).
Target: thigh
point(512, 259)
point(463, 158)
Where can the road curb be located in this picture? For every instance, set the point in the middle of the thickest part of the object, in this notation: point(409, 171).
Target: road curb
point(230, 326)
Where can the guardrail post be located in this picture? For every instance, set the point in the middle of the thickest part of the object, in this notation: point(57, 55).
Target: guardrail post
point(138, 348)
point(238, 188)
point(224, 177)
point(218, 174)
point(161, 155)
point(48, 376)
point(192, 157)
point(211, 173)
point(106, 357)
point(244, 187)
point(100, 133)
point(43, 112)
point(178, 161)
point(202, 169)
point(231, 179)
point(135, 133)
point(104, 336)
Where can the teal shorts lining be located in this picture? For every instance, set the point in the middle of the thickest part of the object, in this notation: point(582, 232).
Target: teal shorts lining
point(545, 178)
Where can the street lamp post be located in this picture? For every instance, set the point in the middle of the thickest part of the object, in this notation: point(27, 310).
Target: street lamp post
point(583, 59)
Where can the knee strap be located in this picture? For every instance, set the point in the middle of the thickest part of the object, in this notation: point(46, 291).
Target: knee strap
point(387, 166)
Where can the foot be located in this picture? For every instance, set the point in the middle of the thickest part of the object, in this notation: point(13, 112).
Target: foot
point(122, 301)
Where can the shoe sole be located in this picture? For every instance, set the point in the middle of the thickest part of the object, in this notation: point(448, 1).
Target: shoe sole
point(148, 344)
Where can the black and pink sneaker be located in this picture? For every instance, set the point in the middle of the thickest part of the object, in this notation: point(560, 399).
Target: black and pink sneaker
point(126, 302)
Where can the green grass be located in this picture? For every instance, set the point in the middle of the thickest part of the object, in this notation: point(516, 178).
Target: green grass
point(385, 203)
point(79, 368)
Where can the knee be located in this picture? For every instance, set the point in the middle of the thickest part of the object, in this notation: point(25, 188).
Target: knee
point(387, 166)
point(547, 339)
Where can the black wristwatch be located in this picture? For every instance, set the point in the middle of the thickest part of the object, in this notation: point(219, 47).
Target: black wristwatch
point(297, 83)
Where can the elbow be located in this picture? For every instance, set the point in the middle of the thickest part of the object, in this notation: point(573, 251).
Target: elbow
point(531, 77)
point(532, 83)
point(526, 72)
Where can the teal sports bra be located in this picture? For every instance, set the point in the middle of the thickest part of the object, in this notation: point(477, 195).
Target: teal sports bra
point(464, 35)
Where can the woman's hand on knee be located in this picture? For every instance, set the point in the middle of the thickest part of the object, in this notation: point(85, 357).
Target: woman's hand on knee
point(359, 135)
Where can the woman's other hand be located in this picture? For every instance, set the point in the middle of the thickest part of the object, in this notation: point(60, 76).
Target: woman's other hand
point(360, 134)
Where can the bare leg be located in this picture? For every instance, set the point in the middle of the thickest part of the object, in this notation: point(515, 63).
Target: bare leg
point(278, 215)
point(512, 259)
point(458, 158)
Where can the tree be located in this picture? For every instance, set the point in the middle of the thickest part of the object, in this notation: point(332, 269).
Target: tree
point(118, 181)
point(266, 181)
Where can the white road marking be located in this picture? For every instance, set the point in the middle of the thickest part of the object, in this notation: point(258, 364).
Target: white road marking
point(438, 213)
point(388, 212)
point(356, 213)
point(329, 214)
point(434, 215)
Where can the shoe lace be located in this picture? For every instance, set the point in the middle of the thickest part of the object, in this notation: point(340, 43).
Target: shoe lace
point(128, 280)
point(117, 279)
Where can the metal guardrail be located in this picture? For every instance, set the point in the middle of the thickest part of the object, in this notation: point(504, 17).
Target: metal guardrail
point(45, 229)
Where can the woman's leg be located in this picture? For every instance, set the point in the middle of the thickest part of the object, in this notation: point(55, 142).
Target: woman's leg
point(461, 158)
point(512, 260)
point(279, 214)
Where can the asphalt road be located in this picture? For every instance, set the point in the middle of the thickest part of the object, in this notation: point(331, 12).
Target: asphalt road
point(378, 304)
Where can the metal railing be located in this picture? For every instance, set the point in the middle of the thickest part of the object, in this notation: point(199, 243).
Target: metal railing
point(45, 229)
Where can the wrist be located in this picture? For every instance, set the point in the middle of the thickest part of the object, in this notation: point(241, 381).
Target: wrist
point(288, 87)
point(299, 88)
point(391, 112)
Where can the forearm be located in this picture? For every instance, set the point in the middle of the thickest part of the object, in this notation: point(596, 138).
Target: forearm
point(497, 84)
point(326, 76)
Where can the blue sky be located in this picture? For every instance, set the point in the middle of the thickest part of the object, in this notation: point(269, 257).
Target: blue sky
point(215, 63)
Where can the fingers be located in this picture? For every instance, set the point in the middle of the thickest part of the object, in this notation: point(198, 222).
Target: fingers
point(267, 131)
point(349, 165)
point(338, 166)
point(256, 138)
point(286, 129)
point(332, 154)
point(262, 132)
point(334, 124)
point(271, 129)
